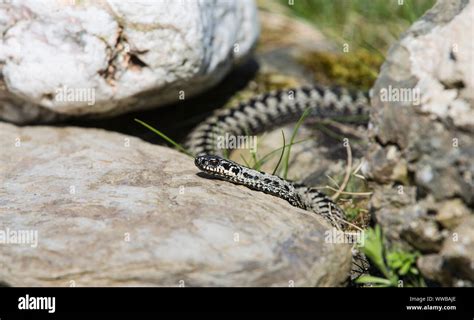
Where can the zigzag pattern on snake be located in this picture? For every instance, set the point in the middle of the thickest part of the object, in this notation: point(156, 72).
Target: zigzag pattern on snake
point(266, 112)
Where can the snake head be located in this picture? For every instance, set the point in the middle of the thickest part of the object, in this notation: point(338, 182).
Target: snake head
point(217, 166)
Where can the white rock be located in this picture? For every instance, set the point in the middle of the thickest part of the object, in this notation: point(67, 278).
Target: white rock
point(444, 58)
point(110, 57)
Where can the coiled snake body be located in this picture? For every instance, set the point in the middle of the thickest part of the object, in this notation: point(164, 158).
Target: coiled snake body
point(266, 112)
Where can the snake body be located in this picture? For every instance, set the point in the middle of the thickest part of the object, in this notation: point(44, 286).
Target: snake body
point(265, 112)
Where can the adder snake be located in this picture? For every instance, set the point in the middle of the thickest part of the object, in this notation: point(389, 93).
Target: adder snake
point(266, 112)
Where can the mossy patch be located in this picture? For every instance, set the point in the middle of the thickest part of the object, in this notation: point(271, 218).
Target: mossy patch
point(357, 69)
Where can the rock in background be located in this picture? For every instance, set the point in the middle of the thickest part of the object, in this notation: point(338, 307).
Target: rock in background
point(105, 58)
point(112, 210)
point(422, 150)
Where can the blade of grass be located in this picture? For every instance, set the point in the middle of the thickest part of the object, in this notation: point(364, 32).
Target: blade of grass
point(254, 159)
point(373, 49)
point(372, 279)
point(282, 153)
point(253, 152)
point(165, 137)
point(295, 130)
point(267, 157)
point(245, 160)
point(226, 153)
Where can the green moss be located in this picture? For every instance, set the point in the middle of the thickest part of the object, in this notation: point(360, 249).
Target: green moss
point(358, 69)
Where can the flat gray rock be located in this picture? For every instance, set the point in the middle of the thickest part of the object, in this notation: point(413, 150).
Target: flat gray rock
point(111, 210)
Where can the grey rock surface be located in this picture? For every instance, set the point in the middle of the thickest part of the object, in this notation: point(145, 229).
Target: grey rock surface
point(112, 210)
point(103, 58)
point(422, 147)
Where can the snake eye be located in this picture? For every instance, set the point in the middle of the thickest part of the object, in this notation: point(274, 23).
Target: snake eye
point(213, 162)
